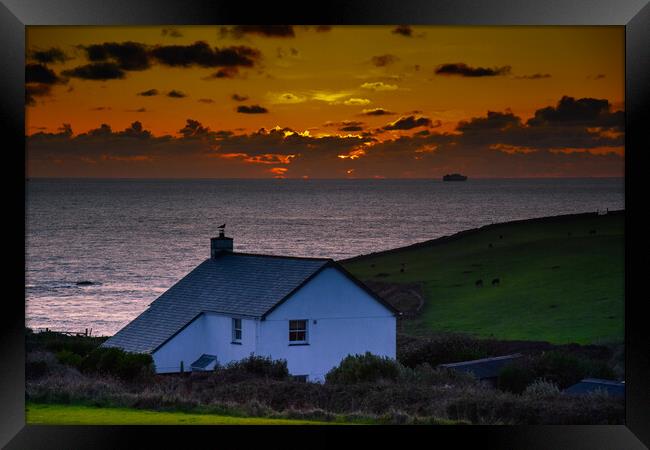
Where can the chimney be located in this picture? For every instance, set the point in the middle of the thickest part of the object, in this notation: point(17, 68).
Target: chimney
point(220, 244)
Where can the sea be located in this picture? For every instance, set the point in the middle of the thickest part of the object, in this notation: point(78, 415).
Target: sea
point(133, 239)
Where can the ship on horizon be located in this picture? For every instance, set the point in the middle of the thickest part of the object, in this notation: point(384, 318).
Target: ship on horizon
point(454, 177)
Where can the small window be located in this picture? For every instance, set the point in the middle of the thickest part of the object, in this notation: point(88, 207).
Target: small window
point(297, 331)
point(236, 330)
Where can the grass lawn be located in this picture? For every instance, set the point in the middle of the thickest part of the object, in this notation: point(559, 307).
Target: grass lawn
point(553, 286)
point(49, 414)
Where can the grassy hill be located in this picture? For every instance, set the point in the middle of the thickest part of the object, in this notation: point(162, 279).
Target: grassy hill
point(561, 279)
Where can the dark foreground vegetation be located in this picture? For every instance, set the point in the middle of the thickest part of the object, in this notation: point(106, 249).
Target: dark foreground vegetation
point(363, 389)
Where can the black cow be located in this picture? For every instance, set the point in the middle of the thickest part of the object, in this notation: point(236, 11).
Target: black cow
point(495, 282)
point(479, 283)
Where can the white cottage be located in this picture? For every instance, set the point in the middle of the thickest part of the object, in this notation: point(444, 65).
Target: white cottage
point(309, 311)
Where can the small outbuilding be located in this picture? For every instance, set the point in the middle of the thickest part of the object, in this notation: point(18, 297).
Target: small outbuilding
point(591, 385)
point(310, 312)
point(483, 369)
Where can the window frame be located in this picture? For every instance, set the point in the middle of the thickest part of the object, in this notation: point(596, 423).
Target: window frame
point(296, 331)
point(235, 329)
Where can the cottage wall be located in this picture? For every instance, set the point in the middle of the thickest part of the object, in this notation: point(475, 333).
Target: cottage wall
point(342, 319)
point(209, 333)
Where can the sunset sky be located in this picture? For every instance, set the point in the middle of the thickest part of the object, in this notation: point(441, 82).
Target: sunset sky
point(324, 102)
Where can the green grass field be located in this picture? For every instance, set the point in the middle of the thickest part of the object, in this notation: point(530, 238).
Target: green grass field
point(553, 287)
point(50, 414)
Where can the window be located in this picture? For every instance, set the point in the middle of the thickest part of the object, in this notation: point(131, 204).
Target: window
point(297, 332)
point(236, 330)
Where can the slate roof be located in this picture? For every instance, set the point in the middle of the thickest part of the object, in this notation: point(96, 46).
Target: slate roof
point(483, 368)
point(588, 385)
point(232, 283)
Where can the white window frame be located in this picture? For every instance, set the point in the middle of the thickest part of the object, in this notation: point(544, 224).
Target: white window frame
point(299, 330)
point(234, 323)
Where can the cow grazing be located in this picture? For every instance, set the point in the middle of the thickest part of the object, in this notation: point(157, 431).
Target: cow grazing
point(479, 283)
point(592, 231)
point(496, 282)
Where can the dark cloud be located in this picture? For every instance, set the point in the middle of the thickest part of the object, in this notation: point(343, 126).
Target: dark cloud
point(226, 72)
point(409, 122)
point(274, 31)
point(493, 121)
point(96, 71)
point(39, 80)
point(101, 108)
point(138, 110)
point(463, 70)
point(403, 30)
point(127, 55)
point(239, 98)
point(253, 109)
point(49, 56)
point(377, 112)
point(323, 28)
point(176, 94)
point(351, 128)
point(585, 111)
point(200, 54)
point(39, 73)
point(148, 93)
point(534, 76)
point(171, 32)
point(206, 100)
point(36, 90)
point(384, 60)
point(193, 128)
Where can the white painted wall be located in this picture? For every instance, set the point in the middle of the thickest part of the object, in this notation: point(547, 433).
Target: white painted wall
point(348, 321)
point(211, 334)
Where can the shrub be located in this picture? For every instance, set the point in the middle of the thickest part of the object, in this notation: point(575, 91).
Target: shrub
point(56, 342)
point(424, 374)
point(114, 361)
point(541, 388)
point(366, 368)
point(35, 369)
point(68, 358)
point(515, 378)
point(255, 367)
point(447, 348)
point(560, 367)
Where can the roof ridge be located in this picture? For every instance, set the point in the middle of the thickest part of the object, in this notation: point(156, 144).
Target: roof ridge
point(276, 256)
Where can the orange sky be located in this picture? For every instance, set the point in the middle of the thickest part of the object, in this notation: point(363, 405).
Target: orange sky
point(318, 88)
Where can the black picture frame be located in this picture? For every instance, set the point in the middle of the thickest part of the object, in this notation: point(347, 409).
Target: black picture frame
point(15, 15)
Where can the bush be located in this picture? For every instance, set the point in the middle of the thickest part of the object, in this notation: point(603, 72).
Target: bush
point(114, 361)
point(255, 367)
point(515, 378)
point(561, 368)
point(447, 348)
point(36, 369)
point(68, 358)
point(540, 389)
point(56, 342)
point(366, 368)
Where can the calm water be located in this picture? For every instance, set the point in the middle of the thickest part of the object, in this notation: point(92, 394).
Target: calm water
point(135, 238)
